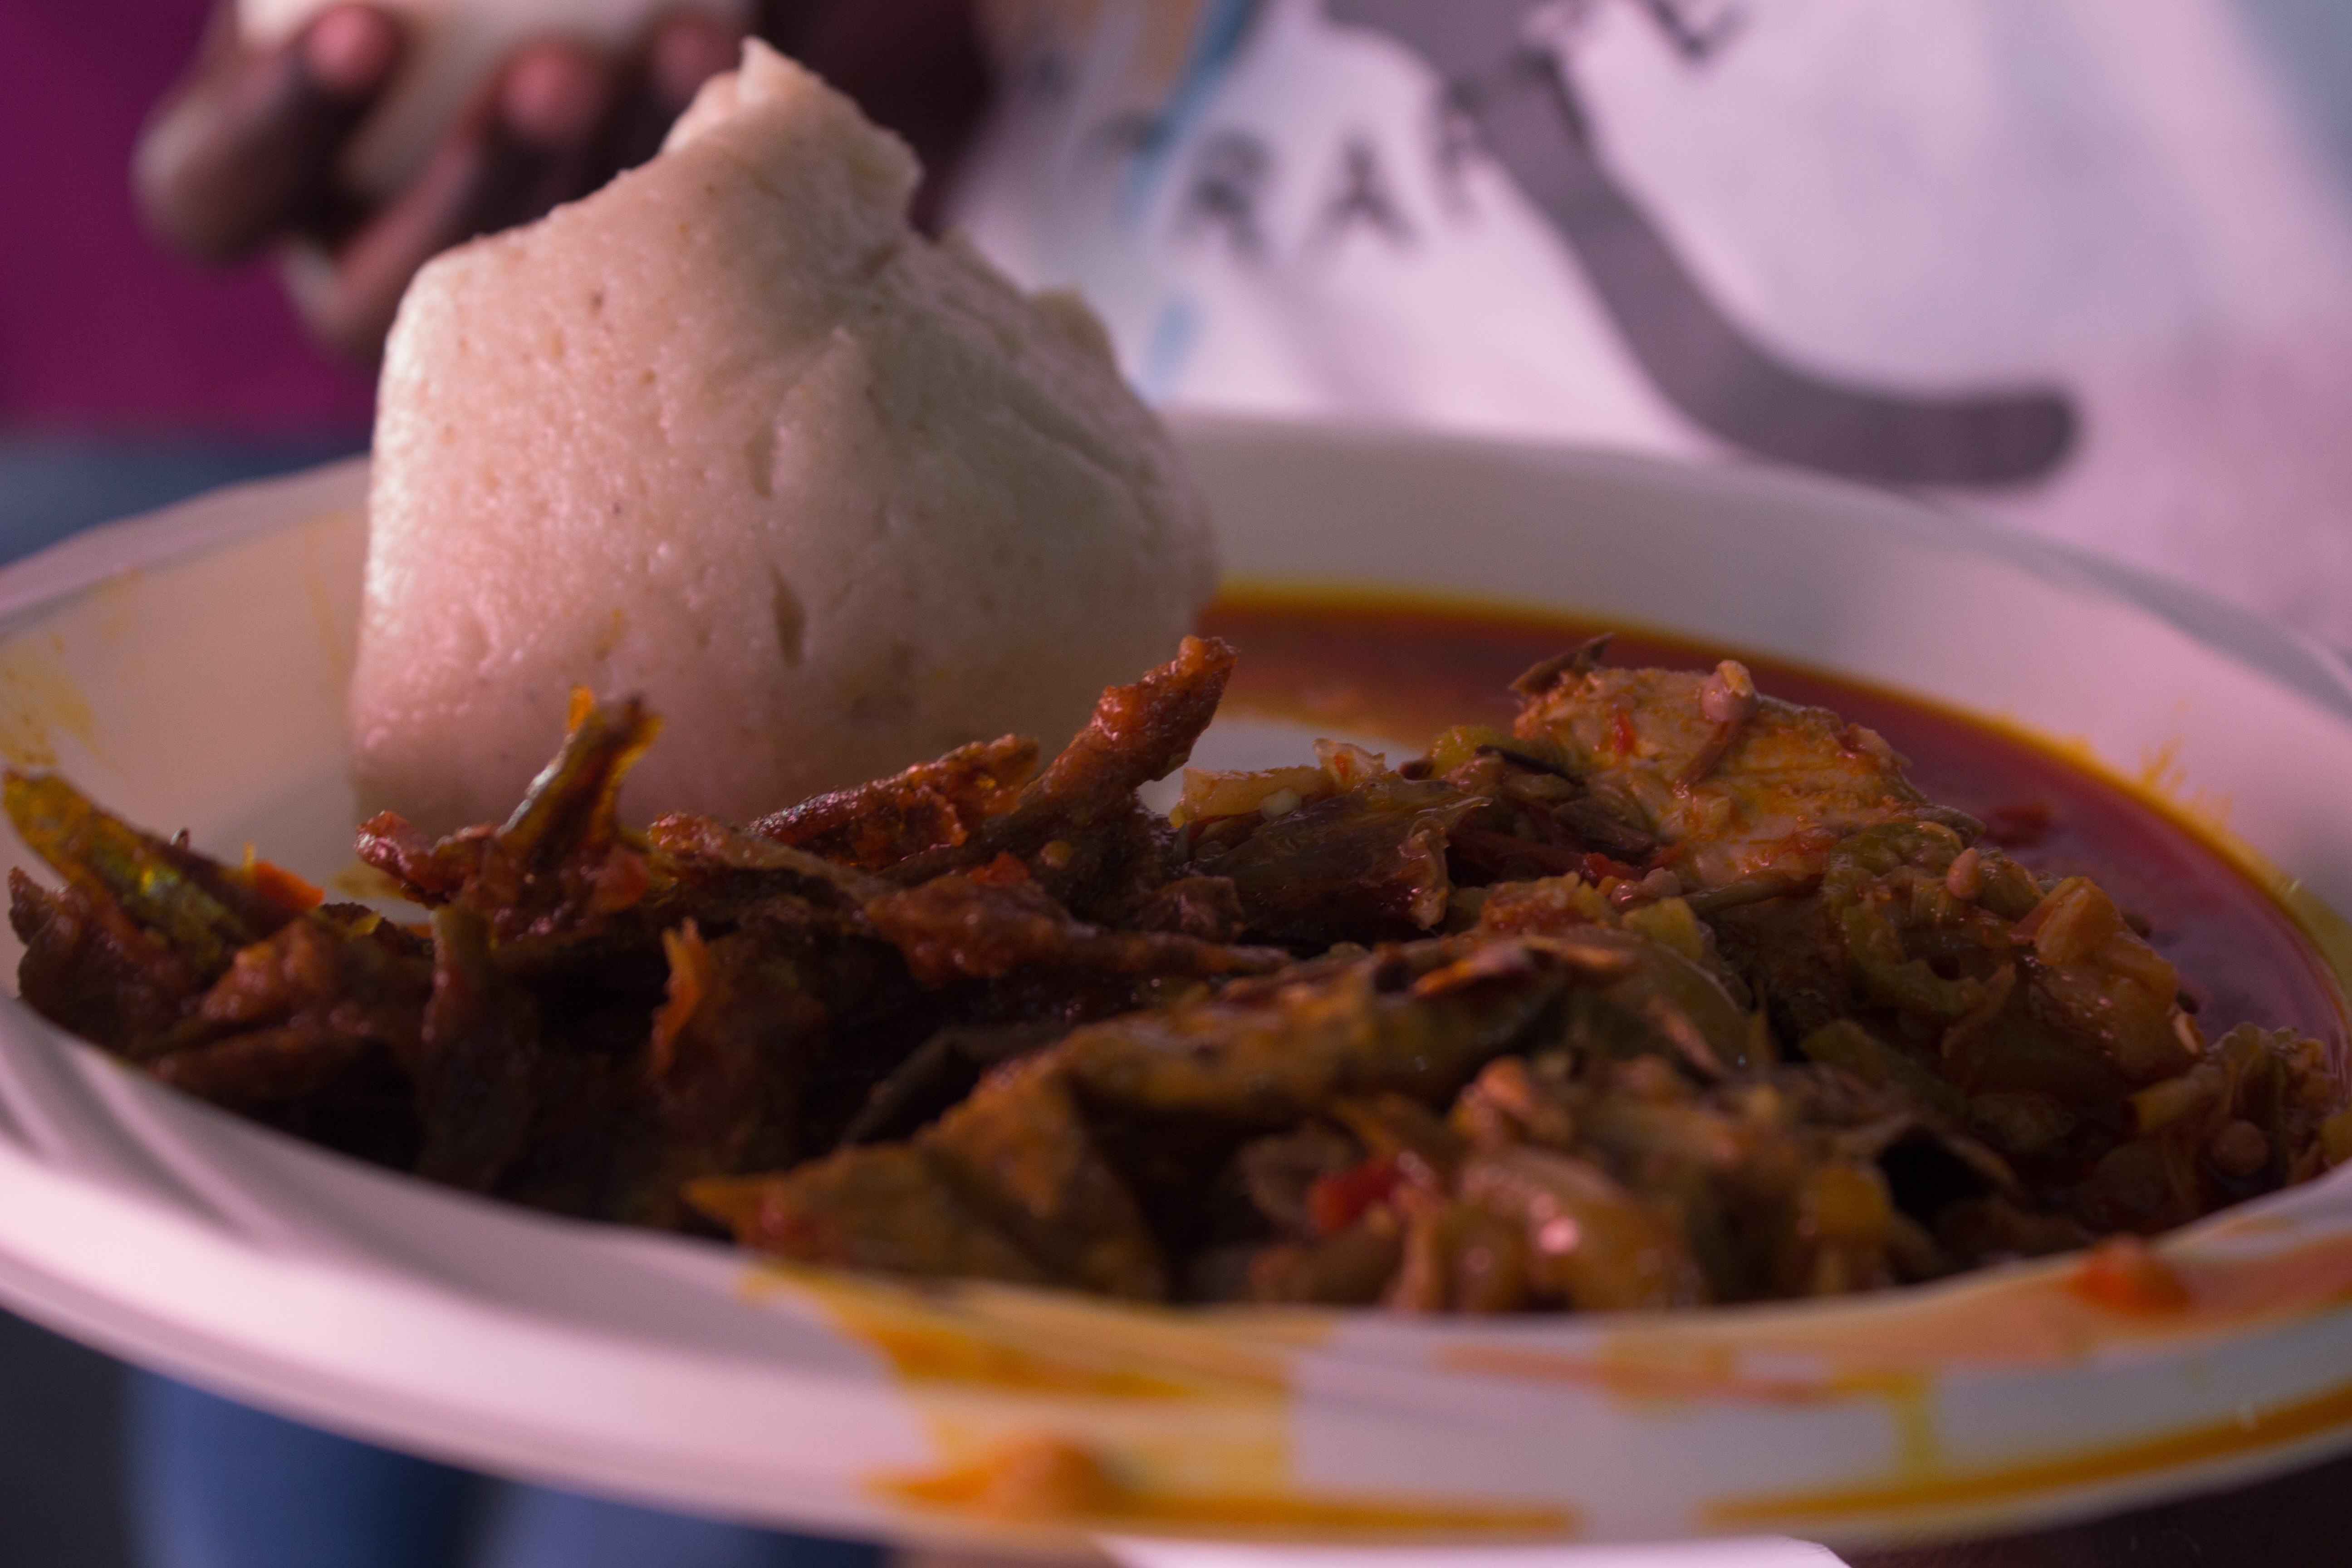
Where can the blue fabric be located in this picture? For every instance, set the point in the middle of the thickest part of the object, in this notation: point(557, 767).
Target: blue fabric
point(537, 1528)
point(216, 1485)
point(53, 486)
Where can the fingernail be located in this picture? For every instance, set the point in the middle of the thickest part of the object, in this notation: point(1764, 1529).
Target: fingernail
point(349, 49)
point(552, 97)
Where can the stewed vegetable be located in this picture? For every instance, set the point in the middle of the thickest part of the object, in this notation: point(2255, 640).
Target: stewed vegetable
point(1671, 994)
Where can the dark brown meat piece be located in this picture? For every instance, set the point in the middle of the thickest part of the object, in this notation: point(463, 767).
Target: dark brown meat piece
point(943, 1069)
point(931, 805)
point(561, 864)
point(1367, 865)
point(327, 1006)
point(282, 1065)
point(727, 1064)
point(1279, 1172)
point(203, 912)
point(1008, 1186)
point(89, 967)
point(712, 870)
point(1269, 1053)
point(884, 1207)
point(1584, 1241)
point(1539, 823)
point(1742, 786)
point(1208, 909)
point(1139, 733)
point(476, 1066)
point(1020, 1152)
point(988, 923)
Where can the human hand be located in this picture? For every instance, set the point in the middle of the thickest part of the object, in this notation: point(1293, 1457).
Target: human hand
point(246, 151)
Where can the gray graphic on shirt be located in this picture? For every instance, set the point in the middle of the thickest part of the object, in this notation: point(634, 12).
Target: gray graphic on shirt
point(1697, 28)
point(1361, 198)
point(1228, 178)
point(1515, 97)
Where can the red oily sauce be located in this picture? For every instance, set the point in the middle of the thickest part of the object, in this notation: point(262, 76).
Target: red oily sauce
point(1409, 672)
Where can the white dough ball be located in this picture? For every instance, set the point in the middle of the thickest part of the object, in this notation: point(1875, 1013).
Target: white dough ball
point(731, 435)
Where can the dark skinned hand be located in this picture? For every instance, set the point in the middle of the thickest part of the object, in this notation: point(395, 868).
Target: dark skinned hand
point(242, 154)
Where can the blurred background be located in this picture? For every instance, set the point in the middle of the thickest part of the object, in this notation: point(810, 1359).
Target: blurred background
point(2079, 267)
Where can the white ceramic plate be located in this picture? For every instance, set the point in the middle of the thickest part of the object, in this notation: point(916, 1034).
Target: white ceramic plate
point(188, 670)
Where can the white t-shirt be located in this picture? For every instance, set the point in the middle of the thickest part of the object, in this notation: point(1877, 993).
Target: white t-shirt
point(2083, 265)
